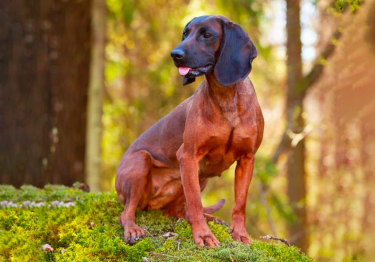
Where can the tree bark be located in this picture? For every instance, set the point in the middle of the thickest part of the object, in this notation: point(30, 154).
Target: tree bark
point(370, 35)
point(96, 91)
point(367, 129)
point(294, 109)
point(44, 69)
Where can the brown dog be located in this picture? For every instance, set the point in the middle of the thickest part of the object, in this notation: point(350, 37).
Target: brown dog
point(168, 165)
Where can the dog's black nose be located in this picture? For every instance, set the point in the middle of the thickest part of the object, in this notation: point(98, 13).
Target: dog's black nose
point(177, 54)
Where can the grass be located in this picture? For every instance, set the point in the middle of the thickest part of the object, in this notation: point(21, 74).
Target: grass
point(89, 231)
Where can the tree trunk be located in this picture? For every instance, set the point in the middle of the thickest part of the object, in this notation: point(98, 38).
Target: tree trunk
point(295, 123)
point(44, 69)
point(367, 129)
point(95, 99)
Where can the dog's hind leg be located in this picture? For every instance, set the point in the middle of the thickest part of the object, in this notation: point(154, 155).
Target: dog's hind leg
point(132, 186)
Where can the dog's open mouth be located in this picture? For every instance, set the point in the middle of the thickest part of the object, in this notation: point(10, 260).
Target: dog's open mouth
point(183, 70)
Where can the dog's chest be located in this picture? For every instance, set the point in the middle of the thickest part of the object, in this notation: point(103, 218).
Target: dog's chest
point(232, 118)
point(227, 145)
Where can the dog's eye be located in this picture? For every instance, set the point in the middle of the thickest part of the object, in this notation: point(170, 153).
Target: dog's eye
point(184, 34)
point(207, 35)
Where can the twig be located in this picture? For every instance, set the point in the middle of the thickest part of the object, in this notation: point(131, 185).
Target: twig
point(296, 137)
point(289, 140)
point(267, 208)
point(169, 235)
point(178, 243)
point(284, 145)
point(297, 236)
point(308, 80)
point(161, 254)
point(144, 228)
point(276, 238)
point(230, 256)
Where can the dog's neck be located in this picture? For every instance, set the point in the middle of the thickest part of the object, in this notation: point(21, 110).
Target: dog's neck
point(225, 97)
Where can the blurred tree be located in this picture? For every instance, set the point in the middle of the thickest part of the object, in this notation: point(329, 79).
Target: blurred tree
point(295, 124)
point(44, 72)
point(371, 23)
point(95, 95)
point(293, 139)
point(340, 210)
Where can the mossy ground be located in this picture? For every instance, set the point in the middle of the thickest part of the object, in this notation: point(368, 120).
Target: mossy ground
point(90, 232)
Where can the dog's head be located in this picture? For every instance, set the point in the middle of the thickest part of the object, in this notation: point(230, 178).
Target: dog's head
point(214, 43)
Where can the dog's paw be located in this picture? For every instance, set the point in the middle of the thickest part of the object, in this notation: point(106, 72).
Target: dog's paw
point(133, 233)
point(204, 237)
point(240, 235)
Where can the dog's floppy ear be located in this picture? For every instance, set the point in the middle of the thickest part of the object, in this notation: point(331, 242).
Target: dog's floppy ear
point(237, 52)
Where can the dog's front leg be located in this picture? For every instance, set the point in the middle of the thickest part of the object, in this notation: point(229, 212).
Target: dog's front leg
point(190, 181)
point(244, 173)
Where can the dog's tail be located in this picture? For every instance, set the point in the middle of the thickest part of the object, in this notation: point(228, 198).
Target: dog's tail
point(214, 208)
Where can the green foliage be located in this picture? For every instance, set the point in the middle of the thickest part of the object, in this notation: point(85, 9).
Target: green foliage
point(354, 5)
point(283, 210)
point(90, 232)
point(341, 5)
point(264, 169)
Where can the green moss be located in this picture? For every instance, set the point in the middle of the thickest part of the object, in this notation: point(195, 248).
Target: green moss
point(90, 232)
point(48, 193)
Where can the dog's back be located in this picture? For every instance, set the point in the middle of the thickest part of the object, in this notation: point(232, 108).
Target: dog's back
point(164, 138)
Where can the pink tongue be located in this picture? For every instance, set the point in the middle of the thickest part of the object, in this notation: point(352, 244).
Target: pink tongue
point(183, 70)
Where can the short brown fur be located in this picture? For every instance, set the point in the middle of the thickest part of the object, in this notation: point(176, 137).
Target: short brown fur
point(167, 167)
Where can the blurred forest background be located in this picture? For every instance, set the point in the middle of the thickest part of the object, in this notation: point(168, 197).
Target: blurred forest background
point(80, 80)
